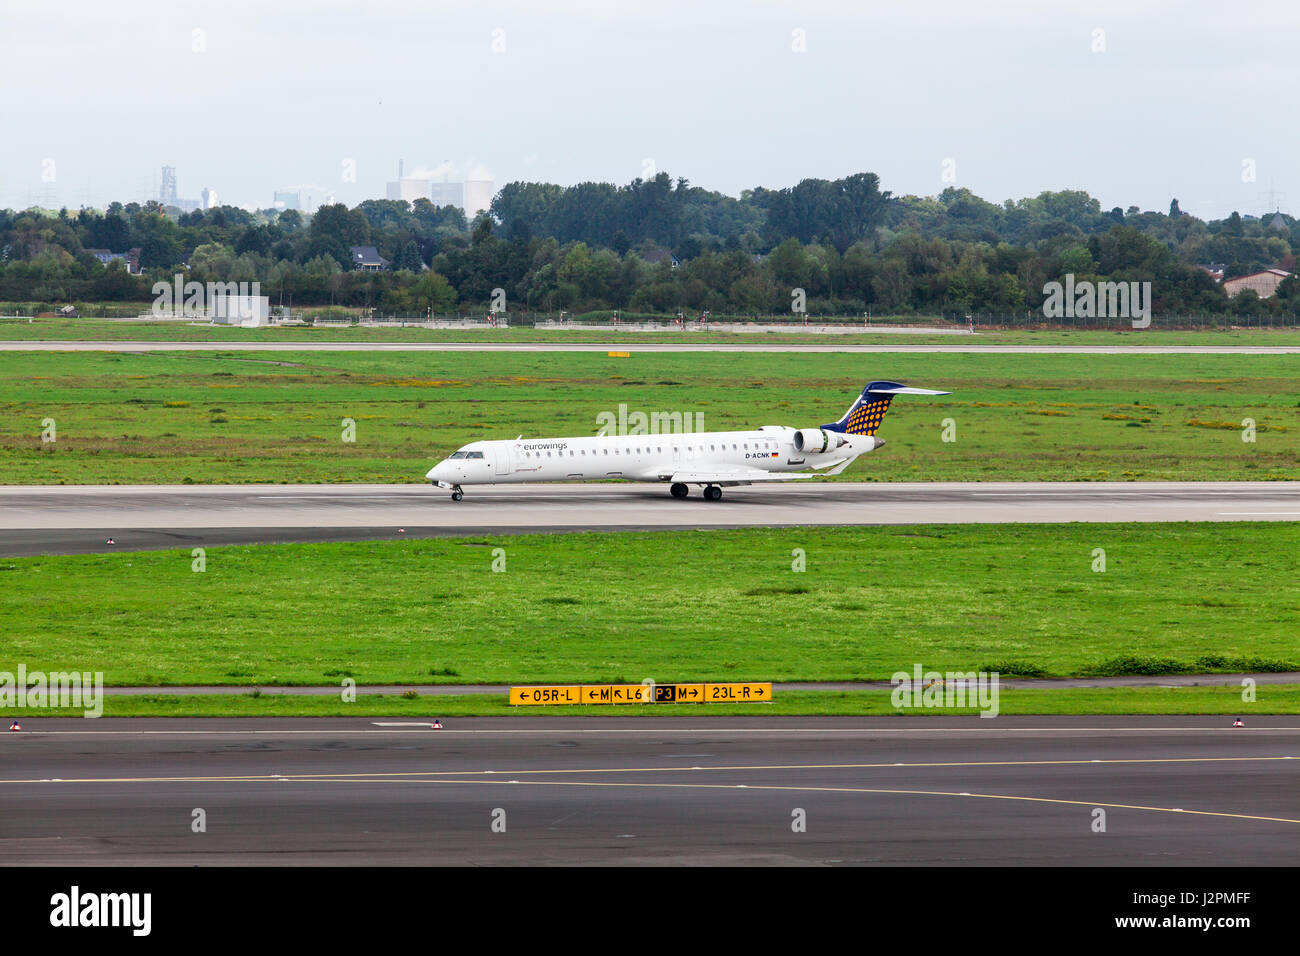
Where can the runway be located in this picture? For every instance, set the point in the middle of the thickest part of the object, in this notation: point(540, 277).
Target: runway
point(80, 519)
point(743, 791)
point(281, 346)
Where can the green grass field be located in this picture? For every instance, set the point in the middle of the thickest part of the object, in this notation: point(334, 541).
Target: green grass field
point(1225, 701)
point(99, 330)
point(673, 606)
point(275, 417)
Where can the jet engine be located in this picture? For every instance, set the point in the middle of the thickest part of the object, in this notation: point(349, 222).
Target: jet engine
point(815, 441)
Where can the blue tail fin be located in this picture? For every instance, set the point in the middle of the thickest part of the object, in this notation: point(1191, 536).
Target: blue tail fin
point(868, 411)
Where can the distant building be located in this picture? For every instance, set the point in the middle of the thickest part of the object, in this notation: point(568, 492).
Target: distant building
point(287, 199)
point(131, 258)
point(167, 186)
point(447, 194)
point(477, 196)
point(409, 189)
point(1264, 284)
point(208, 197)
point(656, 256)
point(472, 197)
point(367, 259)
point(168, 194)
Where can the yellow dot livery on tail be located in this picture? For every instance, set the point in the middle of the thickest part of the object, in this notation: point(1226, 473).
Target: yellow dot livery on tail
point(868, 411)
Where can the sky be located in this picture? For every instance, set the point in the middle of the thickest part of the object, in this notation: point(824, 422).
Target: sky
point(1137, 102)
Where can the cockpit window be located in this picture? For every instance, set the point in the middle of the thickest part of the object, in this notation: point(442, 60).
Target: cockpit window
point(466, 454)
point(458, 454)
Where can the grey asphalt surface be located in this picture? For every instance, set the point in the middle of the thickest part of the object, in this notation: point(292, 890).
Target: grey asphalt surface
point(78, 519)
point(444, 690)
point(281, 346)
point(647, 791)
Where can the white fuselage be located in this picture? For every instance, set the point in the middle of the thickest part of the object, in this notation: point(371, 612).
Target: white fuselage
point(638, 457)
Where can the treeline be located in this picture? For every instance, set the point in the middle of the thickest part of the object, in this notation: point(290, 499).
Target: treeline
point(660, 246)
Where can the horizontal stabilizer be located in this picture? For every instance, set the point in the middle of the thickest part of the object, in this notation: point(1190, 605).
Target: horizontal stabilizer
point(904, 390)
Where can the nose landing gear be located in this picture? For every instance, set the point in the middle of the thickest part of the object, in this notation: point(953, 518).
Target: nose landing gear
point(456, 493)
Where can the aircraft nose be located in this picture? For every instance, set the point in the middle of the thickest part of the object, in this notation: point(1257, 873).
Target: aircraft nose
point(435, 472)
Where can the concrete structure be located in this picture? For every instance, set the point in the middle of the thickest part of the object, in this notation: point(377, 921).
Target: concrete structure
point(477, 197)
point(287, 199)
point(1264, 284)
point(472, 196)
point(208, 198)
point(409, 189)
point(447, 194)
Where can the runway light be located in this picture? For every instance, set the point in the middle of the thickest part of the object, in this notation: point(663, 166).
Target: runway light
point(110, 541)
point(15, 726)
point(1239, 723)
point(437, 723)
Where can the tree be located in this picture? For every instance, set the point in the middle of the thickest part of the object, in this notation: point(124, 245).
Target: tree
point(433, 291)
point(334, 230)
point(408, 257)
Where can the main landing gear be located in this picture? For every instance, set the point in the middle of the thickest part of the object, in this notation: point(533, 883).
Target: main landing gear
point(711, 492)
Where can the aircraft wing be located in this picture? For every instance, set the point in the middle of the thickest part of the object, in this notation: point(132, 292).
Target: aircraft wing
point(732, 475)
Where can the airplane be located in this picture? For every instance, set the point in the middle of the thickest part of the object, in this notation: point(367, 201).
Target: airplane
point(708, 459)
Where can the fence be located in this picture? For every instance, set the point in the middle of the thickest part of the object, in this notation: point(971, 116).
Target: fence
point(948, 321)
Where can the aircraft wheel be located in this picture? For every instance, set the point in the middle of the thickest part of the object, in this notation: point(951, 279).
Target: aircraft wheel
point(712, 493)
point(679, 490)
point(457, 495)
